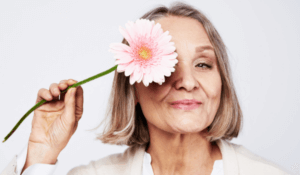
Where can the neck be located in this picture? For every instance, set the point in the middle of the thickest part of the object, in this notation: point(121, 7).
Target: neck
point(175, 153)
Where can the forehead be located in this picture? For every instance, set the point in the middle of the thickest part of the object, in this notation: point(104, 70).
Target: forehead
point(185, 31)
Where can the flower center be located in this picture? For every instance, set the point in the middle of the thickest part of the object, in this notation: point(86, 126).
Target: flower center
point(144, 53)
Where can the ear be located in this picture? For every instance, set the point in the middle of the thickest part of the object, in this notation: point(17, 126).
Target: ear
point(136, 99)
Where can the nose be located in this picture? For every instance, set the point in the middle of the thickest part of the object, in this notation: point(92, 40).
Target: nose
point(185, 77)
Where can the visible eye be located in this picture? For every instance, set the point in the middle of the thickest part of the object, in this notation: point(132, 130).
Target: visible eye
point(203, 64)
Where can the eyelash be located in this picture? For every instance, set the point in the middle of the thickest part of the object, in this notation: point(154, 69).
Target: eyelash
point(207, 66)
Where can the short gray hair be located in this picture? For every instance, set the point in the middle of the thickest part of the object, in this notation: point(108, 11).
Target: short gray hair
point(127, 124)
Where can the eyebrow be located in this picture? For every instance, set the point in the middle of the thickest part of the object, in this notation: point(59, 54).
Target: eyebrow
point(202, 48)
point(205, 47)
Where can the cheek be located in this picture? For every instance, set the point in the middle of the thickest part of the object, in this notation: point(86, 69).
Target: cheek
point(213, 86)
point(155, 92)
point(218, 87)
point(151, 99)
point(214, 90)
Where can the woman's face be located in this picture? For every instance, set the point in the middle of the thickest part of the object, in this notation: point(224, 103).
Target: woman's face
point(196, 77)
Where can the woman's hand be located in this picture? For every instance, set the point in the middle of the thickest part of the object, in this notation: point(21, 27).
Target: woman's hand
point(56, 120)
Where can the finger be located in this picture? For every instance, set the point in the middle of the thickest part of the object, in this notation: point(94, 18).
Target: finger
point(55, 91)
point(68, 83)
point(69, 112)
point(69, 100)
point(62, 86)
point(79, 102)
point(43, 94)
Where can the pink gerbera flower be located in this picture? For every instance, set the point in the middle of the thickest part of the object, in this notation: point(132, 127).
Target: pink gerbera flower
point(150, 55)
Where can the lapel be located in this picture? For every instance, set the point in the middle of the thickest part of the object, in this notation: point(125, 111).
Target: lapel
point(230, 163)
point(137, 161)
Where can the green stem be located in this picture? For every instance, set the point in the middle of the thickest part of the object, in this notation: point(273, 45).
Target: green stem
point(43, 101)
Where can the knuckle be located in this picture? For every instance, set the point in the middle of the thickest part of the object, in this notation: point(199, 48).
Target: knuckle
point(51, 90)
point(72, 80)
point(53, 84)
point(62, 84)
point(47, 92)
point(65, 81)
point(41, 90)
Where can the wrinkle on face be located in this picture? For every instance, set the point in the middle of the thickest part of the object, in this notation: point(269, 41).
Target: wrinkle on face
point(187, 82)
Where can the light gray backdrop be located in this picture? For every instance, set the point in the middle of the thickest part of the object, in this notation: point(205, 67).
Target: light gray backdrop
point(43, 42)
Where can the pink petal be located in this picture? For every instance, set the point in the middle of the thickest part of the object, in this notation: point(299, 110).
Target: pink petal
point(170, 57)
point(121, 54)
point(156, 74)
point(146, 79)
point(138, 74)
point(165, 70)
point(168, 50)
point(140, 27)
point(124, 59)
point(121, 67)
point(125, 34)
point(146, 69)
point(166, 63)
point(120, 47)
point(150, 77)
point(133, 78)
point(164, 41)
point(174, 61)
point(162, 36)
point(148, 29)
point(130, 26)
point(172, 69)
point(129, 69)
point(156, 31)
point(141, 77)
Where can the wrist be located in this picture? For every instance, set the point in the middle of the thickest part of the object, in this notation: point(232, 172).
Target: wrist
point(35, 156)
point(38, 153)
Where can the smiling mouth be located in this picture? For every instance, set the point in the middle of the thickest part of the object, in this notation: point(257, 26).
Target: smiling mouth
point(186, 106)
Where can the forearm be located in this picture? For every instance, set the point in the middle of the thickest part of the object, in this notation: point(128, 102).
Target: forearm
point(40, 154)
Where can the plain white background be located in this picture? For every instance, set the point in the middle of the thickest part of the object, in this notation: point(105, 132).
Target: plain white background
point(43, 42)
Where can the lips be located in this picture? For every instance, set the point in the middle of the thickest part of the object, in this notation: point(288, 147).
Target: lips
point(186, 104)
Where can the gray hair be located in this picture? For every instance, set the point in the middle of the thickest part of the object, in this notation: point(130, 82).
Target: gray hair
point(126, 122)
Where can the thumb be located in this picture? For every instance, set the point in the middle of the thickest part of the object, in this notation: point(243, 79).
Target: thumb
point(69, 112)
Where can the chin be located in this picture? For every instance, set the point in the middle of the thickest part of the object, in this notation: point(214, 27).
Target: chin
point(188, 128)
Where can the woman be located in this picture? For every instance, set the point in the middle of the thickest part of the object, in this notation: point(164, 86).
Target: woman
point(180, 127)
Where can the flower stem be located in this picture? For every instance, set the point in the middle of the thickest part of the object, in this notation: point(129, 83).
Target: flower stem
point(43, 101)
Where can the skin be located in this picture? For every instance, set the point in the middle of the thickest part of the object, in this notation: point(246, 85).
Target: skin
point(177, 144)
point(54, 122)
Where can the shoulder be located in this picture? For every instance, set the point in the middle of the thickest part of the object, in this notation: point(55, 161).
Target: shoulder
point(118, 158)
point(250, 162)
point(117, 163)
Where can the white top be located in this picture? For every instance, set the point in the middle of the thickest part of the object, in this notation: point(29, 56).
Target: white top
point(48, 169)
point(35, 169)
point(236, 160)
point(147, 168)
